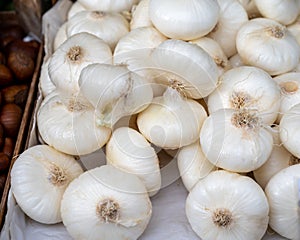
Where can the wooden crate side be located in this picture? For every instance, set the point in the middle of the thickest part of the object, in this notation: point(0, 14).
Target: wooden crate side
point(23, 131)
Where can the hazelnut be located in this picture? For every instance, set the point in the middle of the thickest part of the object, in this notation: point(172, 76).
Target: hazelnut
point(10, 118)
point(21, 64)
point(15, 94)
point(3, 177)
point(10, 33)
point(1, 136)
point(4, 161)
point(6, 76)
point(9, 146)
point(2, 58)
point(30, 48)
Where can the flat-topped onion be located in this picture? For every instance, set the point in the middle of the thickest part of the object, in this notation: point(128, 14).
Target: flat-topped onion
point(108, 26)
point(267, 44)
point(72, 56)
point(247, 87)
point(186, 67)
point(193, 165)
point(184, 19)
point(108, 5)
point(214, 50)
point(140, 15)
point(279, 159)
point(39, 178)
point(114, 91)
point(235, 140)
point(282, 192)
point(289, 84)
point(283, 11)
point(171, 121)
point(290, 131)
point(227, 205)
point(129, 151)
point(134, 50)
point(106, 202)
point(70, 126)
point(232, 17)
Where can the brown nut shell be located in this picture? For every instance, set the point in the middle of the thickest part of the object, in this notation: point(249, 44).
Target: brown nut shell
point(6, 76)
point(3, 177)
point(29, 48)
point(2, 58)
point(1, 136)
point(4, 161)
point(10, 33)
point(15, 94)
point(9, 146)
point(21, 65)
point(10, 118)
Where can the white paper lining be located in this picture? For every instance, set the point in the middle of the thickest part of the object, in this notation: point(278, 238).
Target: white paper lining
point(168, 220)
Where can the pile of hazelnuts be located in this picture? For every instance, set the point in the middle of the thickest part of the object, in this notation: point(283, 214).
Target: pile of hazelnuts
point(17, 66)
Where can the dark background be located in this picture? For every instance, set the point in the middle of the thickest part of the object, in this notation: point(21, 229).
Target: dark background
point(6, 5)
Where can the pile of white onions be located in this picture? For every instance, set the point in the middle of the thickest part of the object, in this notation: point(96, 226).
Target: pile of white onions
point(214, 83)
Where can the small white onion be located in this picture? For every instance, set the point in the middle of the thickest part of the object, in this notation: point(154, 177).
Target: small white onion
point(61, 36)
point(186, 67)
point(140, 15)
point(215, 51)
point(283, 11)
point(129, 151)
point(294, 28)
point(184, 19)
point(107, 203)
point(72, 56)
point(127, 121)
point(75, 8)
point(39, 178)
point(232, 17)
point(134, 48)
point(171, 121)
point(193, 165)
point(108, 26)
point(235, 140)
point(114, 91)
point(290, 91)
point(236, 61)
point(45, 83)
point(250, 88)
point(290, 131)
point(282, 192)
point(279, 159)
point(70, 126)
point(297, 69)
point(227, 206)
point(108, 5)
point(267, 44)
point(251, 8)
